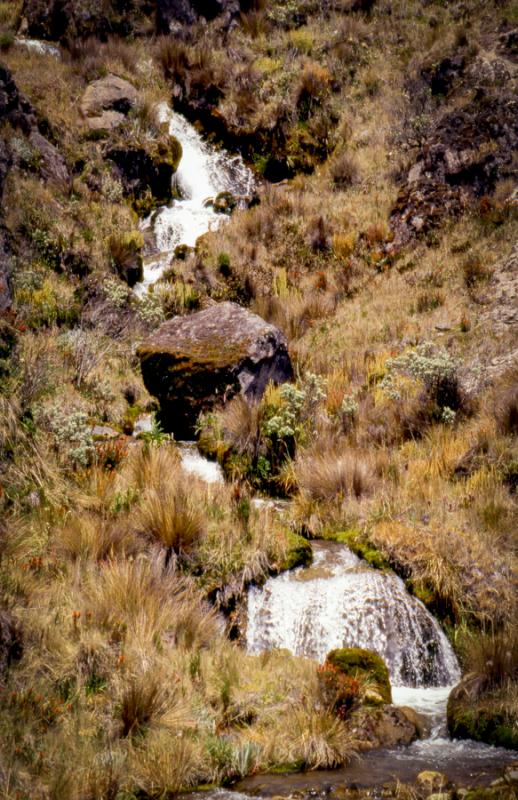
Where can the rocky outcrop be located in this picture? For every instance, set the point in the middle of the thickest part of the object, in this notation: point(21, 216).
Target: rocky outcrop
point(469, 147)
point(388, 726)
point(196, 362)
point(66, 20)
point(147, 173)
point(474, 714)
point(106, 102)
point(171, 12)
point(17, 113)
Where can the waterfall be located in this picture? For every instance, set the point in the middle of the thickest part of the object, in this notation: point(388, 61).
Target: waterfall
point(342, 602)
point(203, 173)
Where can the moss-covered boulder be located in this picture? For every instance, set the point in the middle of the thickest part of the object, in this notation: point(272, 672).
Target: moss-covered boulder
point(194, 363)
point(474, 713)
point(298, 554)
point(363, 665)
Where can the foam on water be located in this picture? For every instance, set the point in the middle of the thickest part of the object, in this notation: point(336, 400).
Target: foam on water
point(202, 174)
point(341, 602)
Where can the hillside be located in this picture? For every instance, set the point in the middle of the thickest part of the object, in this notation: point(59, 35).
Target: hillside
point(374, 231)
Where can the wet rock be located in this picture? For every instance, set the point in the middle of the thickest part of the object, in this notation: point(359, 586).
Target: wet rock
point(431, 781)
point(382, 727)
point(471, 714)
point(365, 666)
point(224, 203)
point(147, 171)
point(106, 102)
point(194, 363)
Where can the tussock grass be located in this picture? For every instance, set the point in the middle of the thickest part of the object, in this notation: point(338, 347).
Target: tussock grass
point(335, 475)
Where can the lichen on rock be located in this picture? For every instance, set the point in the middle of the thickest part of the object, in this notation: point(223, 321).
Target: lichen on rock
point(193, 363)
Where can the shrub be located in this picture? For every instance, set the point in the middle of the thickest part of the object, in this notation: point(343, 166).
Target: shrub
point(335, 475)
point(474, 271)
point(506, 411)
point(344, 171)
point(429, 300)
point(147, 699)
point(171, 515)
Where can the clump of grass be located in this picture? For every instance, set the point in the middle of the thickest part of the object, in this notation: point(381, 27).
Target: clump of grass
point(147, 700)
point(169, 514)
point(318, 739)
point(331, 475)
point(344, 171)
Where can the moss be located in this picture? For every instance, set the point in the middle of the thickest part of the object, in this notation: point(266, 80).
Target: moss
point(356, 542)
point(483, 724)
point(363, 665)
point(287, 769)
point(298, 554)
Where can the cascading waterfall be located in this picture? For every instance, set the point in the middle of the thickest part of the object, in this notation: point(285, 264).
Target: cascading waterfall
point(202, 174)
point(341, 602)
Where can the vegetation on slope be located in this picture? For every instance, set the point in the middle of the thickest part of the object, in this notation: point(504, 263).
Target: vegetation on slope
point(401, 429)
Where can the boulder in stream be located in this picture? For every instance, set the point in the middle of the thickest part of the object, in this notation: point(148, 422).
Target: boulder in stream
point(364, 665)
point(193, 363)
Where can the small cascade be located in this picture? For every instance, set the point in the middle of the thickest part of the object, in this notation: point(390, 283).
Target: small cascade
point(341, 602)
point(203, 173)
point(196, 464)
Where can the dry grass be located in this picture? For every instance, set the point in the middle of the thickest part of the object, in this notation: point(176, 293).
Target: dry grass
point(335, 475)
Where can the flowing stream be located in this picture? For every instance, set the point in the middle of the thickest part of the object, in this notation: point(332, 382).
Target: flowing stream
point(202, 174)
point(340, 601)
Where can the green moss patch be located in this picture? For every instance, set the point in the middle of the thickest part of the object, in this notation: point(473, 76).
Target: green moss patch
point(356, 542)
point(299, 553)
point(363, 665)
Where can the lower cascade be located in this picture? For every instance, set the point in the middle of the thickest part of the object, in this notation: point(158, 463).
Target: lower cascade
point(342, 602)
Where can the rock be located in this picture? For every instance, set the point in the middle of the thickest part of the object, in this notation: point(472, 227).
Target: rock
point(224, 203)
point(196, 362)
point(472, 715)
point(10, 642)
point(382, 727)
point(147, 171)
point(511, 774)
point(104, 433)
point(467, 150)
point(430, 780)
point(106, 102)
point(365, 666)
point(66, 20)
point(144, 424)
point(185, 12)
point(53, 168)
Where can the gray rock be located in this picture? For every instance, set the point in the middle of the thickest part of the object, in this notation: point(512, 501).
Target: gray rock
point(104, 432)
point(106, 102)
point(144, 424)
point(194, 363)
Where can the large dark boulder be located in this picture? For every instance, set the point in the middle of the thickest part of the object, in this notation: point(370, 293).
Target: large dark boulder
point(143, 172)
point(195, 362)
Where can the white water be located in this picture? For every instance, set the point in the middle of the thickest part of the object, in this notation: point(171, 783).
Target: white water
point(195, 464)
point(203, 173)
point(37, 46)
point(341, 602)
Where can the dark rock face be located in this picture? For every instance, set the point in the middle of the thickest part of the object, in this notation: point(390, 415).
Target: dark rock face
point(141, 171)
point(61, 20)
point(193, 363)
point(10, 642)
point(469, 149)
point(186, 12)
point(17, 112)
